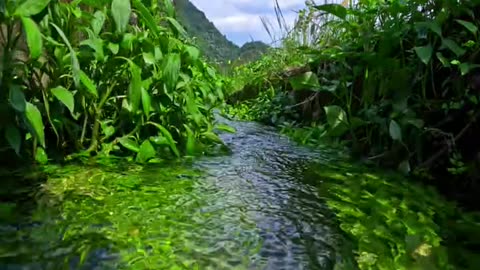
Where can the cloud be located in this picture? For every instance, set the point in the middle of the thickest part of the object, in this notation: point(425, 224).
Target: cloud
point(240, 20)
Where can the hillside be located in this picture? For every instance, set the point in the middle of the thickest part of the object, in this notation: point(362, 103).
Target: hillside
point(214, 44)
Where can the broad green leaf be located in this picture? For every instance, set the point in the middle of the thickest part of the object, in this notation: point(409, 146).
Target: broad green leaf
point(334, 9)
point(395, 131)
point(114, 47)
point(98, 21)
point(17, 98)
point(469, 26)
point(64, 96)
point(135, 87)
point(335, 116)
point(34, 37)
point(465, 68)
point(419, 123)
point(146, 102)
point(12, 134)
point(88, 83)
point(158, 54)
point(171, 70)
point(146, 152)
point(307, 80)
point(31, 7)
point(41, 156)
point(121, 11)
point(34, 119)
point(424, 53)
point(453, 46)
point(147, 17)
point(149, 58)
point(225, 128)
point(212, 137)
point(192, 52)
point(404, 167)
point(168, 136)
point(129, 144)
point(73, 56)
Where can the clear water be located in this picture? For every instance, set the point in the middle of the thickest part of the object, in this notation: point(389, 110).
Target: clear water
point(269, 204)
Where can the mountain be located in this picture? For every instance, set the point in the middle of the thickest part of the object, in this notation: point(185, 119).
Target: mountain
point(214, 45)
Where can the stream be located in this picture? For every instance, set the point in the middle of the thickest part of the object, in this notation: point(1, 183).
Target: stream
point(268, 204)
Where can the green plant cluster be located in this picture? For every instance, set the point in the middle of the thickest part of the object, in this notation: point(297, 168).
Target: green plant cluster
point(397, 80)
point(102, 77)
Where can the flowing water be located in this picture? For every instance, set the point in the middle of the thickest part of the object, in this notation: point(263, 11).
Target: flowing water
point(268, 204)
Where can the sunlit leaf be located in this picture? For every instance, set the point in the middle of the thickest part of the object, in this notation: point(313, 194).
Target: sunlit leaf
point(192, 52)
point(114, 47)
point(98, 22)
point(424, 53)
point(13, 137)
point(177, 26)
point(31, 7)
point(395, 131)
point(225, 128)
point(129, 144)
point(171, 71)
point(169, 8)
point(147, 17)
point(146, 152)
point(334, 9)
point(146, 102)
point(191, 144)
point(121, 11)
point(149, 58)
point(307, 80)
point(34, 118)
point(34, 37)
point(64, 96)
point(469, 26)
point(135, 87)
point(17, 98)
point(88, 83)
point(41, 156)
point(443, 60)
point(212, 137)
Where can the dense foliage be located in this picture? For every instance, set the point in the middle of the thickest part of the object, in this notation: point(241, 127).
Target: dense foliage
point(91, 77)
point(397, 81)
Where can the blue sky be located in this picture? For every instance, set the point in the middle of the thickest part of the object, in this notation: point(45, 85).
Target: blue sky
point(240, 20)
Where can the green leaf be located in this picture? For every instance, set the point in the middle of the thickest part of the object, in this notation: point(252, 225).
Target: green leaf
point(465, 68)
point(129, 144)
point(171, 70)
point(98, 21)
point(432, 25)
point(12, 134)
point(177, 26)
point(41, 156)
point(64, 96)
point(34, 37)
point(73, 56)
point(149, 58)
point(419, 123)
point(192, 52)
point(146, 102)
point(145, 152)
point(334, 9)
point(225, 128)
point(147, 17)
point(307, 80)
point(30, 8)
point(168, 136)
point(212, 137)
point(404, 167)
point(335, 116)
point(395, 131)
point(88, 83)
point(135, 87)
point(17, 98)
point(114, 47)
point(169, 8)
point(469, 26)
point(121, 10)
point(34, 118)
point(443, 60)
point(191, 145)
point(424, 53)
point(453, 46)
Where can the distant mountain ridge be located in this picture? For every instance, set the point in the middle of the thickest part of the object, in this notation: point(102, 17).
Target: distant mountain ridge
point(214, 45)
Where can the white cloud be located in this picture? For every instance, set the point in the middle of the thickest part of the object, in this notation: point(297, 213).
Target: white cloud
point(240, 20)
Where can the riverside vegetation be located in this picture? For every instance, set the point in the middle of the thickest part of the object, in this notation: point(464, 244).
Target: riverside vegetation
point(105, 103)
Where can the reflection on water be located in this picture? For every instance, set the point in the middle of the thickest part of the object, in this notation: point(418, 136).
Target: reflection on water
point(270, 204)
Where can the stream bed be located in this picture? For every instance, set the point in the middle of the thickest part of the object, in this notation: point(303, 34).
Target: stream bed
point(268, 204)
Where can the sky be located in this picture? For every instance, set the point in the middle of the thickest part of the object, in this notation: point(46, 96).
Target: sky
point(240, 20)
